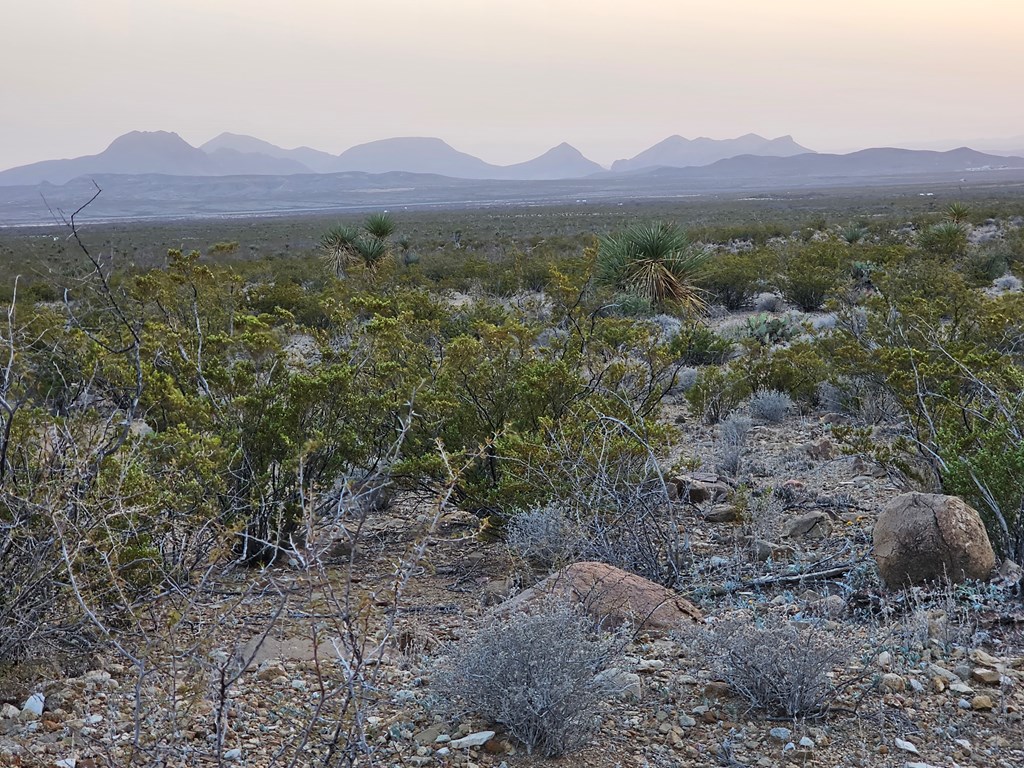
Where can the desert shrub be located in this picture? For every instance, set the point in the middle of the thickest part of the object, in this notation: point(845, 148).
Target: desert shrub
point(734, 278)
point(546, 537)
point(686, 379)
point(770, 405)
point(985, 263)
point(632, 305)
point(947, 239)
point(854, 233)
point(697, 344)
point(606, 479)
point(732, 439)
point(536, 675)
point(775, 665)
point(717, 393)
point(796, 370)
point(811, 273)
point(768, 302)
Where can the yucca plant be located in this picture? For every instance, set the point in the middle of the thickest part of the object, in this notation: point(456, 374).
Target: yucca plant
point(345, 246)
point(657, 262)
point(338, 245)
point(957, 213)
point(947, 238)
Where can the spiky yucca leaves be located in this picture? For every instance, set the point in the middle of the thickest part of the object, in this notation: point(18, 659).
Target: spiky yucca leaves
point(379, 226)
point(957, 213)
point(345, 246)
point(338, 245)
point(657, 262)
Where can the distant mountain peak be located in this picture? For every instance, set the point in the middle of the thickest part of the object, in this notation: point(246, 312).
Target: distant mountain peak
point(679, 152)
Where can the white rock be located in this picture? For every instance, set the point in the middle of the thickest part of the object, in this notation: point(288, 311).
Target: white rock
point(906, 746)
point(9, 712)
point(67, 762)
point(92, 720)
point(34, 704)
point(807, 743)
point(477, 739)
point(233, 754)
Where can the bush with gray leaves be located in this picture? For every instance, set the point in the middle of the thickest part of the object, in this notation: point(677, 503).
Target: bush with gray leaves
point(546, 537)
point(776, 665)
point(732, 439)
point(770, 405)
point(535, 674)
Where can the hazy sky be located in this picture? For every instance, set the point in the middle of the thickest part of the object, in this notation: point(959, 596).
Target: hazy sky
point(507, 79)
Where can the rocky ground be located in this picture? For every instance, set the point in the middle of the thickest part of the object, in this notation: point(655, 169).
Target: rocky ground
point(937, 675)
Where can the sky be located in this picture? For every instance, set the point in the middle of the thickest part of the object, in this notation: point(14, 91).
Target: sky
point(508, 79)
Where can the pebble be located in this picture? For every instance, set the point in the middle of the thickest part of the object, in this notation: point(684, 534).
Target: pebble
point(780, 735)
point(477, 739)
point(906, 746)
point(9, 712)
point(807, 743)
point(233, 754)
point(982, 703)
point(34, 705)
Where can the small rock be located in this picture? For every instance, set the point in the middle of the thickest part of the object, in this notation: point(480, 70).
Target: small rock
point(767, 550)
point(34, 704)
point(477, 739)
point(884, 660)
point(988, 676)
point(685, 721)
point(893, 683)
point(625, 685)
point(723, 513)
point(429, 735)
point(233, 754)
point(807, 743)
point(982, 703)
point(780, 734)
point(9, 712)
point(961, 688)
point(906, 746)
point(813, 525)
point(67, 762)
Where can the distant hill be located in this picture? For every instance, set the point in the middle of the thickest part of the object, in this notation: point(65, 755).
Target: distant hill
point(679, 152)
point(135, 152)
point(561, 162)
point(312, 160)
point(878, 163)
point(415, 155)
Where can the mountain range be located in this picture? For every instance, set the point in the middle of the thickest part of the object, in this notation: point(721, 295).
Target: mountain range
point(232, 154)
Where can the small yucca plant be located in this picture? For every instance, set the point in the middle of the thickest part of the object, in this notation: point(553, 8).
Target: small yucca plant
point(657, 262)
point(957, 213)
point(345, 246)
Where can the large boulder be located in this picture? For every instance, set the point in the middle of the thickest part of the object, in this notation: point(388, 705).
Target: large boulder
point(928, 537)
point(610, 595)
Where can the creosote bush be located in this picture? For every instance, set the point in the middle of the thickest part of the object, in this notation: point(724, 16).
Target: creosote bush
point(536, 675)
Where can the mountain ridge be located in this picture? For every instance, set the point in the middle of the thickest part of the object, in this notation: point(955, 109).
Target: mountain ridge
point(227, 154)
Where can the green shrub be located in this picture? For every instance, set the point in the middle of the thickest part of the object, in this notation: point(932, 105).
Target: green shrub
point(696, 344)
point(717, 392)
point(812, 273)
point(733, 279)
